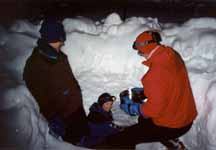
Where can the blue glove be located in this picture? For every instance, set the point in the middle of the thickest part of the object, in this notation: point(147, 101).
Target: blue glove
point(124, 93)
point(56, 127)
point(126, 100)
point(137, 89)
point(132, 109)
point(124, 97)
point(138, 95)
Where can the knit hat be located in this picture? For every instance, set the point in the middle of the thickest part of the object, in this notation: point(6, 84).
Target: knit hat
point(105, 97)
point(52, 30)
point(146, 41)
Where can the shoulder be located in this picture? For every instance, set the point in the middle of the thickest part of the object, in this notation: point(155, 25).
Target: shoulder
point(164, 58)
point(34, 59)
point(63, 55)
point(96, 117)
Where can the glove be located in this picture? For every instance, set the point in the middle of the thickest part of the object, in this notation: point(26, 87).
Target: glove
point(124, 97)
point(124, 93)
point(57, 128)
point(138, 95)
point(126, 100)
point(132, 109)
point(137, 89)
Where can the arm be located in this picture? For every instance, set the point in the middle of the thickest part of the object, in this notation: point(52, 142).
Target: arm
point(156, 86)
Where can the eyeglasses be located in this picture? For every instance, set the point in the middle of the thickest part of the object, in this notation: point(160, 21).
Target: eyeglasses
point(136, 44)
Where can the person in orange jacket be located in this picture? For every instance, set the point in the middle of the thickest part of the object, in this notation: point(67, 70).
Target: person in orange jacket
point(170, 108)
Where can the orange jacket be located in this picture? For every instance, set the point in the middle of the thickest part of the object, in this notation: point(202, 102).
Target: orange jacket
point(166, 85)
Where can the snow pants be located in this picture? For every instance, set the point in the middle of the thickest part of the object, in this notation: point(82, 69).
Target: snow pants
point(142, 132)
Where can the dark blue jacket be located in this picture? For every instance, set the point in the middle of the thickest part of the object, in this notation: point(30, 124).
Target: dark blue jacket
point(100, 124)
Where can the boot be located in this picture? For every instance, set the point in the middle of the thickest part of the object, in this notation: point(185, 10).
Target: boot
point(174, 144)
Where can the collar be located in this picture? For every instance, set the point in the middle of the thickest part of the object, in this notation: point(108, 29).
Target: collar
point(148, 61)
point(95, 107)
point(46, 50)
point(153, 51)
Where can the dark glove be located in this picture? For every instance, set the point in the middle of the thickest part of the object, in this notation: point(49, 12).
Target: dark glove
point(138, 95)
point(137, 89)
point(124, 93)
point(57, 127)
point(133, 109)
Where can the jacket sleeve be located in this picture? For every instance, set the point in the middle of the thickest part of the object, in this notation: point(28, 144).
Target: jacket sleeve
point(102, 129)
point(39, 83)
point(156, 85)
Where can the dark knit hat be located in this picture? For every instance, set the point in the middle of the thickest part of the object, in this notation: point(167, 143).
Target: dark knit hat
point(105, 97)
point(52, 30)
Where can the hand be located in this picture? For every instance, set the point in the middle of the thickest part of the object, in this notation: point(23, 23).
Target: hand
point(124, 93)
point(132, 109)
point(126, 100)
point(124, 97)
point(120, 128)
point(138, 95)
point(137, 89)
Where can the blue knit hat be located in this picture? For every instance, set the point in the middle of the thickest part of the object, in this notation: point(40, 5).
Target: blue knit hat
point(52, 30)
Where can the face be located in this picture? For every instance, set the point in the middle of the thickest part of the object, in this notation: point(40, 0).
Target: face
point(107, 106)
point(142, 54)
point(146, 50)
point(57, 45)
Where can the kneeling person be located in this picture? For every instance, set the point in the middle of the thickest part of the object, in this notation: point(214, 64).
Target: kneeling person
point(100, 121)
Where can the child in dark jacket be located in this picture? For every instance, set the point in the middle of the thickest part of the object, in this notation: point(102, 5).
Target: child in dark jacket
point(100, 121)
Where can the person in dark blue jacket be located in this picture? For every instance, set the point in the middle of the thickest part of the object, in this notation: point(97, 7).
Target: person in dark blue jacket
point(100, 121)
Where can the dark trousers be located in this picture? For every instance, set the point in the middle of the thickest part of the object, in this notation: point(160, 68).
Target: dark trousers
point(144, 131)
point(76, 127)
